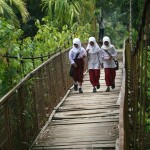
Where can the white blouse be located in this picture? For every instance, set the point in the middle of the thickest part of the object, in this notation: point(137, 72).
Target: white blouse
point(95, 59)
point(109, 63)
point(73, 53)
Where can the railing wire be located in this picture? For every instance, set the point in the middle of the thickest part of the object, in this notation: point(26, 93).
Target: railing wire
point(135, 107)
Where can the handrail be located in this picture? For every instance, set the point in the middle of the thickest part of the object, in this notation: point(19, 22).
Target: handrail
point(26, 78)
point(133, 107)
point(121, 109)
point(25, 109)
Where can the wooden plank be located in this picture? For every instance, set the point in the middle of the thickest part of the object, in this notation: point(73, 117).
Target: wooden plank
point(84, 121)
point(89, 145)
point(86, 107)
point(87, 112)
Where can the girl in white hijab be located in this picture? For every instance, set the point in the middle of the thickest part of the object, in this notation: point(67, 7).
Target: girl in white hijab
point(108, 52)
point(94, 62)
point(76, 57)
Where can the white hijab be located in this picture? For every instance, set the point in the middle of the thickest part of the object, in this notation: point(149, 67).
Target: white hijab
point(106, 38)
point(76, 41)
point(93, 49)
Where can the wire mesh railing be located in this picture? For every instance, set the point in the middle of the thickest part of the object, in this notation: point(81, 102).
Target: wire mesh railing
point(135, 108)
point(25, 109)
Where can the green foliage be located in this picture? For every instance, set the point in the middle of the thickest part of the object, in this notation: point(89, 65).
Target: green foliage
point(69, 11)
point(116, 13)
point(116, 35)
point(62, 11)
point(134, 34)
point(147, 119)
point(46, 42)
point(144, 111)
point(9, 44)
point(111, 13)
point(10, 10)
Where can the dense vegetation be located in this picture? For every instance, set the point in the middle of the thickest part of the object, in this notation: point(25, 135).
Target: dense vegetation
point(29, 29)
point(20, 56)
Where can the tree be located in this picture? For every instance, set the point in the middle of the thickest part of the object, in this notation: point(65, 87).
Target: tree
point(137, 9)
point(65, 12)
point(69, 11)
point(10, 8)
point(35, 9)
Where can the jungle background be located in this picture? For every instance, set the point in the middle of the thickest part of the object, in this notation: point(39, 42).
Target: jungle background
point(31, 31)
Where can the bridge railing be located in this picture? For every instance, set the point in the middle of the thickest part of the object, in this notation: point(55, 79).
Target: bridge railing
point(135, 107)
point(26, 108)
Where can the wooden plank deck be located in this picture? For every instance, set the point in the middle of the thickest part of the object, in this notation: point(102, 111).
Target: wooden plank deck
point(84, 121)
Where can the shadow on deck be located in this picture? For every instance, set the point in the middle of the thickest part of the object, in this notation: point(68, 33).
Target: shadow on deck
point(84, 121)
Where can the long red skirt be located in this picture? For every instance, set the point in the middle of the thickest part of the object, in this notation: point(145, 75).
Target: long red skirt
point(94, 76)
point(78, 71)
point(110, 74)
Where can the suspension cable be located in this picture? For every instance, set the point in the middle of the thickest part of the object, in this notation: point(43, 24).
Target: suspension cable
point(130, 27)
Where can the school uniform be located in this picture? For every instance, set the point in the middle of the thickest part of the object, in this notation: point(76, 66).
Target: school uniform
point(78, 71)
point(109, 64)
point(94, 62)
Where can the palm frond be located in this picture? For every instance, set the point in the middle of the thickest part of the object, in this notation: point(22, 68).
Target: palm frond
point(7, 12)
point(21, 6)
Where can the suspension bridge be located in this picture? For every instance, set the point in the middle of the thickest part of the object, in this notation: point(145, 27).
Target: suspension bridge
point(43, 111)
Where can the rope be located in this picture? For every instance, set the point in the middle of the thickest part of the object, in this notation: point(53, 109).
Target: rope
point(36, 57)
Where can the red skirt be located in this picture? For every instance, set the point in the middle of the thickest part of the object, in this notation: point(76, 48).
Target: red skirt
point(94, 76)
point(110, 74)
point(79, 70)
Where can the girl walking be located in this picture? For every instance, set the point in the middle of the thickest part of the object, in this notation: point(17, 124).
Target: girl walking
point(108, 53)
point(76, 57)
point(94, 62)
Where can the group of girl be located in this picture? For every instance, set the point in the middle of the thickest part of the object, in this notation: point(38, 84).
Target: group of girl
point(98, 58)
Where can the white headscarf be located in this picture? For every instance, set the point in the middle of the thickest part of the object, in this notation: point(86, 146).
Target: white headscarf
point(92, 49)
point(76, 41)
point(106, 38)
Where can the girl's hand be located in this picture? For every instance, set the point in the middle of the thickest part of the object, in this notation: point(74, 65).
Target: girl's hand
point(107, 58)
point(110, 57)
point(87, 50)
